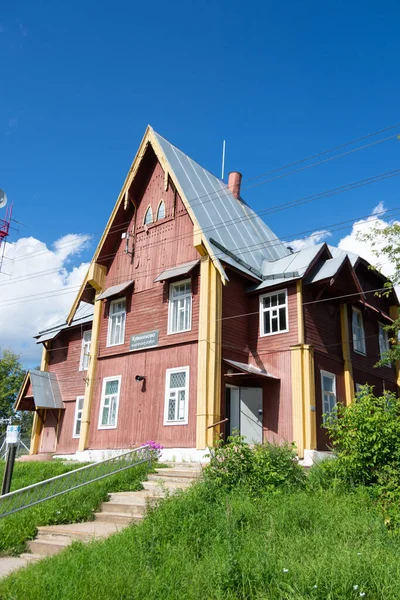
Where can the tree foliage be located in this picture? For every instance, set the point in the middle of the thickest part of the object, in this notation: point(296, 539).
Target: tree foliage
point(11, 377)
point(385, 245)
point(366, 436)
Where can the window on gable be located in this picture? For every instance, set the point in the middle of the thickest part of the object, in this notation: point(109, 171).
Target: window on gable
point(116, 322)
point(161, 211)
point(274, 313)
point(358, 331)
point(384, 345)
point(180, 307)
point(328, 388)
point(85, 351)
point(78, 417)
point(148, 217)
point(176, 396)
point(109, 402)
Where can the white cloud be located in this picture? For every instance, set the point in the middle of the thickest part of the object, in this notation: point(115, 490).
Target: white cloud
point(351, 242)
point(42, 285)
point(311, 240)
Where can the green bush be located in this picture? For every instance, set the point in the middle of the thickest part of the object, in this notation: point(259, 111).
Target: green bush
point(366, 436)
point(264, 468)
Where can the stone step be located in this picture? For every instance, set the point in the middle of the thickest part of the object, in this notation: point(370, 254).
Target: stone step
point(162, 489)
point(121, 518)
point(47, 547)
point(171, 478)
point(128, 508)
point(190, 473)
point(83, 532)
point(30, 557)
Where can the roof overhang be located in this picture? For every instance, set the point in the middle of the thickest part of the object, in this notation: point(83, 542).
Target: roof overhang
point(114, 290)
point(178, 271)
point(245, 369)
point(45, 392)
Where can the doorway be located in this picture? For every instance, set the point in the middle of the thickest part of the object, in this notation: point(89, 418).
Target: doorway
point(244, 409)
point(48, 440)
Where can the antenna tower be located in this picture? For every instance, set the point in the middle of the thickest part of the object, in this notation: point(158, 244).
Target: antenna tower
point(4, 225)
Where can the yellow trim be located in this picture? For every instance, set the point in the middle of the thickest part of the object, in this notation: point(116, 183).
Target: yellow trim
point(297, 399)
point(394, 314)
point(348, 367)
point(300, 314)
point(90, 379)
point(303, 398)
point(209, 354)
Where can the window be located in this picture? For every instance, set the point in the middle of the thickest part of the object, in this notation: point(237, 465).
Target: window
point(180, 307)
point(176, 396)
point(358, 332)
point(161, 211)
point(384, 345)
point(85, 351)
point(273, 313)
point(148, 217)
point(328, 387)
point(78, 417)
point(109, 402)
point(116, 322)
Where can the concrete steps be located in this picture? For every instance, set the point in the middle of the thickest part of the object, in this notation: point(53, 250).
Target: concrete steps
point(121, 510)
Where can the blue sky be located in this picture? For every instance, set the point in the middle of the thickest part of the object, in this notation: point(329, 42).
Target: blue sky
point(278, 81)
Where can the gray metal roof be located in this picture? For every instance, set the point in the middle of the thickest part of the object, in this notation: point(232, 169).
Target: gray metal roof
point(83, 315)
point(288, 268)
point(221, 216)
point(328, 269)
point(339, 252)
point(177, 271)
point(251, 369)
point(114, 290)
point(45, 389)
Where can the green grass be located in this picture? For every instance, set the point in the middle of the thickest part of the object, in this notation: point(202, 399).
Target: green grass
point(79, 505)
point(200, 546)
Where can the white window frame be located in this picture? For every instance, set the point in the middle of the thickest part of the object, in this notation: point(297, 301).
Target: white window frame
point(168, 372)
point(361, 339)
point(77, 417)
point(160, 204)
point(331, 376)
point(103, 397)
point(110, 322)
point(149, 211)
point(85, 350)
point(263, 311)
point(171, 305)
point(381, 328)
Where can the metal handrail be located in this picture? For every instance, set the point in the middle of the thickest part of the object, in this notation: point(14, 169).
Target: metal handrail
point(72, 480)
point(217, 423)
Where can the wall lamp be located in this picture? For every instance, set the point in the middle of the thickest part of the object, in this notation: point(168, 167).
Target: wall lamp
point(140, 378)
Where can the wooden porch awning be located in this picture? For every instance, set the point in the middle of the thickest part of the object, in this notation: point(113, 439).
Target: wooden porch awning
point(114, 290)
point(178, 271)
point(40, 389)
point(246, 369)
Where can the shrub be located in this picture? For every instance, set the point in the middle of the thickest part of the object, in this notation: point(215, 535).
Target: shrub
point(264, 468)
point(366, 436)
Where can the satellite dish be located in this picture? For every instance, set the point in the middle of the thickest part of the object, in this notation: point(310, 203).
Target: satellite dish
point(3, 198)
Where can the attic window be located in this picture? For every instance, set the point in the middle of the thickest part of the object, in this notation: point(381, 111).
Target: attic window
point(161, 211)
point(148, 217)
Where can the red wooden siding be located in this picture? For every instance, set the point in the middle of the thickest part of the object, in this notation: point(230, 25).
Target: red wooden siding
point(64, 360)
point(235, 329)
point(332, 365)
point(322, 323)
point(141, 413)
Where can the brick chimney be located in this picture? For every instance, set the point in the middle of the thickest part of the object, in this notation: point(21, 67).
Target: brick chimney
point(234, 181)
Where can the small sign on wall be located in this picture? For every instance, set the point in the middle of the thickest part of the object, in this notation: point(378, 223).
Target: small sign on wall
point(147, 339)
point(13, 434)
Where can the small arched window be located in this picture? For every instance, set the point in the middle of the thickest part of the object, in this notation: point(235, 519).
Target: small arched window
point(148, 217)
point(161, 211)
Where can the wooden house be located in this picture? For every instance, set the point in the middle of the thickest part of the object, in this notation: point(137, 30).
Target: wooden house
point(194, 320)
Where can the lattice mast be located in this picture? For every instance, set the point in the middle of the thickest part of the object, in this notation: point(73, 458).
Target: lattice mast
point(4, 225)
